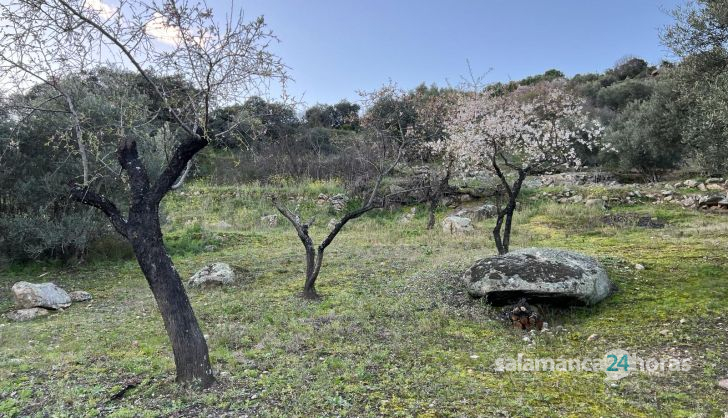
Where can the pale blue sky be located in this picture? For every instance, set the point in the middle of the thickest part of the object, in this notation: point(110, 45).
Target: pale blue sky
point(336, 47)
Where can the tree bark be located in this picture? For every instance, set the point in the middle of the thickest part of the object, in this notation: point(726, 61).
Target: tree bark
point(315, 256)
point(504, 220)
point(191, 356)
point(436, 195)
point(143, 231)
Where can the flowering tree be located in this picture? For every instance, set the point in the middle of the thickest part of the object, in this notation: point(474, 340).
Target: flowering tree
point(533, 130)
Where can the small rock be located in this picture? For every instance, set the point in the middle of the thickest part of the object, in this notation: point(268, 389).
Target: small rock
point(639, 267)
point(595, 203)
point(593, 337)
point(457, 225)
point(270, 220)
point(683, 320)
point(714, 186)
point(723, 383)
point(690, 183)
point(713, 180)
point(209, 248)
point(223, 225)
point(338, 202)
point(80, 296)
point(710, 201)
point(664, 332)
point(407, 217)
point(702, 187)
point(212, 275)
point(322, 199)
point(26, 314)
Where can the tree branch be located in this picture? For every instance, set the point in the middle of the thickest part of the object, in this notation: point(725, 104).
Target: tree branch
point(178, 164)
point(301, 229)
point(86, 196)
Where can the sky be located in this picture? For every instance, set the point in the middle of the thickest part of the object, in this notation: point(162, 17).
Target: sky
point(335, 48)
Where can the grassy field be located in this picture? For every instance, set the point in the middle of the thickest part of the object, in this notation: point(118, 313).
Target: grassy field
point(394, 334)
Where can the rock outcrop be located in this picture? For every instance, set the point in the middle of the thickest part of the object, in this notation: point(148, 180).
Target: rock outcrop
point(540, 275)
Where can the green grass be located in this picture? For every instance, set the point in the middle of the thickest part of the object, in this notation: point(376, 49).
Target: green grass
point(393, 335)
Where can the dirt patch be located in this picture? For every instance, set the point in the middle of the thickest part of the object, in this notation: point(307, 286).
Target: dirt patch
point(625, 220)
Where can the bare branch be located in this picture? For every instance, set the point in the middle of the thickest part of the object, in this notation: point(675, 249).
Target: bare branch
point(85, 195)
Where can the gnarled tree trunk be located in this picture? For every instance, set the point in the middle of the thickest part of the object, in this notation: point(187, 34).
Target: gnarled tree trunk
point(191, 356)
point(143, 231)
point(504, 219)
point(315, 255)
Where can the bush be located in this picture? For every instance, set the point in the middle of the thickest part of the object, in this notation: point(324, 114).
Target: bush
point(647, 134)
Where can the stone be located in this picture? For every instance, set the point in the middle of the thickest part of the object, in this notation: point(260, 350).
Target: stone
point(479, 213)
point(322, 199)
point(639, 267)
point(215, 274)
point(713, 180)
point(269, 220)
point(595, 203)
point(26, 314)
point(80, 296)
point(457, 225)
point(407, 217)
point(338, 202)
point(42, 295)
point(723, 383)
point(713, 186)
point(541, 275)
point(593, 337)
point(702, 187)
point(688, 202)
point(690, 183)
point(709, 201)
point(223, 225)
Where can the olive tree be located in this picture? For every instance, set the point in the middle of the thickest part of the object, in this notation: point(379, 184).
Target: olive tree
point(531, 131)
point(191, 62)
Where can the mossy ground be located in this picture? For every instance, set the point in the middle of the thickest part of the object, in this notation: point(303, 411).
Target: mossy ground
point(393, 335)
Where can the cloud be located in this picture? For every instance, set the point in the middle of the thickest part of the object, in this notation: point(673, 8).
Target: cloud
point(103, 9)
point(160, 30)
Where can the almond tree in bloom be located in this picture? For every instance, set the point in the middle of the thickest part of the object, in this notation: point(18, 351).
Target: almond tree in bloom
point(534, 130)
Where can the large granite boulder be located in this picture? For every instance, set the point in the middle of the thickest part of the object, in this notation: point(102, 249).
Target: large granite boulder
point(215, 274)
point(41, 295)
point(541, 275)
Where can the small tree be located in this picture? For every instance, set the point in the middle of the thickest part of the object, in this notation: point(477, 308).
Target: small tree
point(204, 61)
point(533, 130)
point(382, 151)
